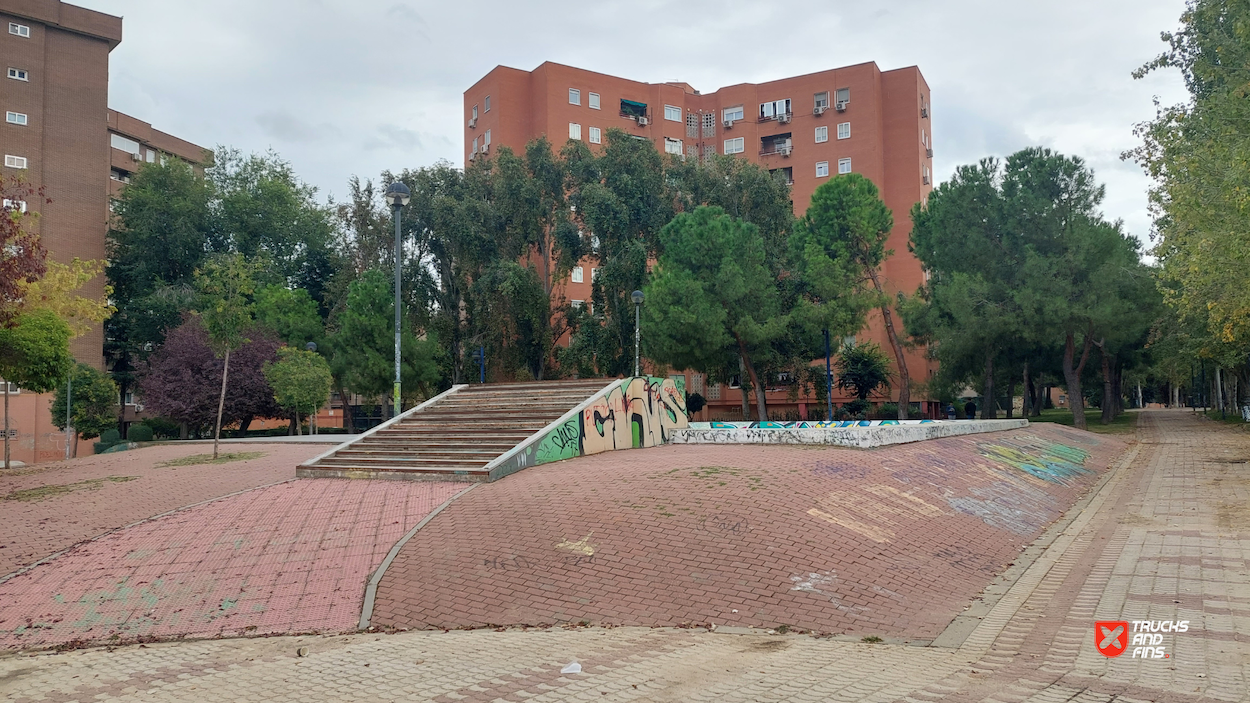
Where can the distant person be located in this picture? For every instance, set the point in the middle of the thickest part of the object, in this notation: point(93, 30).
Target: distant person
point(970, 410)
point(950, 411)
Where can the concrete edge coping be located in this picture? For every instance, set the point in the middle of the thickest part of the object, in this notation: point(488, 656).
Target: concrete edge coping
point(394, 420)
point(371, 589)
point(1033, 563)
point(861, 437)
point(106, 533)
point(537, 436)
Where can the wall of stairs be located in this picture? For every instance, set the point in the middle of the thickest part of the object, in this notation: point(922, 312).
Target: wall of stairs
point(454, 435)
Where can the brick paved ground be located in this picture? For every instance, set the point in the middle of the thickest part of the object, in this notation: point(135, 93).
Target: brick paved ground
point(1170, 524)
point(287, 558)
point(891, 542)
point(33, 529)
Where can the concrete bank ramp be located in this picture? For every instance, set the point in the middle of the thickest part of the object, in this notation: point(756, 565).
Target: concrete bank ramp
point(894, 541)
point(484, 432)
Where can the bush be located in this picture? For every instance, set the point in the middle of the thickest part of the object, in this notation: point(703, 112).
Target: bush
point(110, 437)
point(163, 428)
point(887, 411)
point(139, 432)
point(695, 403)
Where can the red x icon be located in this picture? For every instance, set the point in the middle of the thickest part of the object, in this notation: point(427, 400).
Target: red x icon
point(1111, 637)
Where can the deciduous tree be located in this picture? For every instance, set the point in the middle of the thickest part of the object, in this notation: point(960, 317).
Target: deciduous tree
point(225, 285)
point(94, 407)
point(34, 355)
point(301, 381)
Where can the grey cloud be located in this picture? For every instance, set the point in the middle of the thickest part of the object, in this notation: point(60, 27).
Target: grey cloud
point(283, 126)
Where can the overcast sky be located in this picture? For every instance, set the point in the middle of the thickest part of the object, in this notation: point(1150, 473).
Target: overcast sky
point(343, 87)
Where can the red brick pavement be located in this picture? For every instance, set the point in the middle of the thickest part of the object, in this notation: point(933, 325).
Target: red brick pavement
point(33, 529)
point(893, 541)
point(287, 558)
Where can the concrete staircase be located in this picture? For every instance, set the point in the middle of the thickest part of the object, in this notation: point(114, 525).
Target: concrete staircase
point(453, 436)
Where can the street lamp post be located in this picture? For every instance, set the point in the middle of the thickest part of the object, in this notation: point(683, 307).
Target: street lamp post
point(397, 196)
point(638, 298)
point(312, 421)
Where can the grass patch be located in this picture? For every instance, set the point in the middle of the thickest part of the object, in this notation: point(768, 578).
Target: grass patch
point(870, 639)
point(1232, 418)
point(199, 459)
point(1126, 423)
point(53, 490)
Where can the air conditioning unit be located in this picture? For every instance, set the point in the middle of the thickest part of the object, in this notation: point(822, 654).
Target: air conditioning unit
point(643, 121)
point(928, 153)
point(136, 157)
point(924, 112)
point(840, 106)
point(485, 148)
point(783, 118)
point(925, 180)
point(728, 124)
point(820, 110)
point(473, 123)
point(784, 150)
point(138, 407)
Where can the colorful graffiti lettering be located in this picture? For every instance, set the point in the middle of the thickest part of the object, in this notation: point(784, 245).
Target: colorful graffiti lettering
point(1049, 461)
point(638, 412)
point(802, 424)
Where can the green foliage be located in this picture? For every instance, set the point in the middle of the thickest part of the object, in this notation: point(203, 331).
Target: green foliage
point(300, 379)
point(95, 402)
point(225, 285)
point(110, 436)
point(139, 432)
point(712, 297)
point(363, 344)
point(34, 353)
point(290, 314)
point(862, 370)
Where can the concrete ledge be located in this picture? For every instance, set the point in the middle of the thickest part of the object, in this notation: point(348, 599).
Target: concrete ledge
point(877, 435)
point(475, 476)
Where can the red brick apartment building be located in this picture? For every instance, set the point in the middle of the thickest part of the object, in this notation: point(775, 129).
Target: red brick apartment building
point(59, 134)
point(857, 119)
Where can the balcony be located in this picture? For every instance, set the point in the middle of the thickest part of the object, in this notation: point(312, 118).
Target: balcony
point(782, 117)
point(776, 145)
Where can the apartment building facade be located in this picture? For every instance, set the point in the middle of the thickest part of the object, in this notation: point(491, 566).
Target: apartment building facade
point(809, 128)
point(59, 134)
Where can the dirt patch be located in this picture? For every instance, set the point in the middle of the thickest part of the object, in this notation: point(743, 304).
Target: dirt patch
point(201, 459)
point(52, 490)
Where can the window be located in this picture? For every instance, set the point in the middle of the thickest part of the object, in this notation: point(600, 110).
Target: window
point(594, 273)
point(487, 104)
point(926, 175)
point(733, 114)
point(124, 143)
point(575, 96)
point(924, 138)
point(822, 100)
point(844, 96)
point(475, 145)
point(692, 125)
point(475, 112)
point(709, 125)
point(15, 118)
point(577, 304)
point(735, 146)
point(822, 169)
point(18, 74)
point(844, 130)
point(775, 109)
point(592, 101)
point(822, 134)
point(151, 156)
point(14, 161)
point(577, 274)
point(486, 139)
point(20, 205)
point(20, 30)
point(708, 151)
point(575, 131)
point(672, 146)
point(633, 109)
point(595, 138)
point(776, 144)
point(672, 113)
point(844, 165)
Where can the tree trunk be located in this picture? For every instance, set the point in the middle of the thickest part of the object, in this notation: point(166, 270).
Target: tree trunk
point(1117, 388)
point(1108, 409)
point(1072, 376)
point(1026, 393)
point(1011, 396)
point(761, 405)
point(988, 411)
point(6, 425)
point(904, 378)
point(247, 421)
point(221, 402)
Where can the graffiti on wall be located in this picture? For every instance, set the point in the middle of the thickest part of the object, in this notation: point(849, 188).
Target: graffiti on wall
point(806, 424)
point(638, 412)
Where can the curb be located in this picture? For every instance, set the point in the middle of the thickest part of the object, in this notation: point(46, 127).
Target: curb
point(371, 590)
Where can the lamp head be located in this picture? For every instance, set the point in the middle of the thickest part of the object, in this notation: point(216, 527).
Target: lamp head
point(311, 346)
point(397, 194)
point(637, 297)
